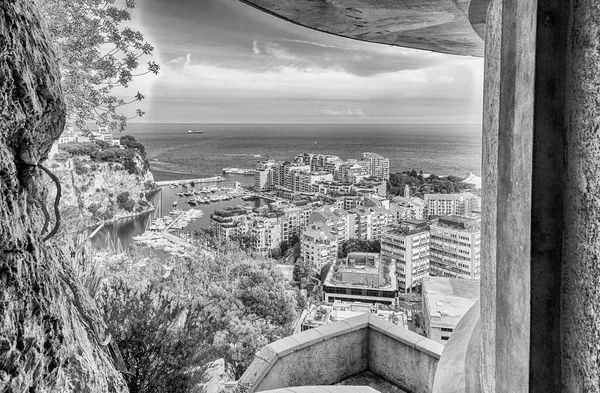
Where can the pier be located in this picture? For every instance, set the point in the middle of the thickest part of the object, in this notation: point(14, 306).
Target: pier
point(214, 179)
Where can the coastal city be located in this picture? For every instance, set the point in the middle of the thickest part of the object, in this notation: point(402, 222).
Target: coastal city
point(362, 249)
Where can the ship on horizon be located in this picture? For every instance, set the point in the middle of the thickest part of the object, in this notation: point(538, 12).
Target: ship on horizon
point(195, 132)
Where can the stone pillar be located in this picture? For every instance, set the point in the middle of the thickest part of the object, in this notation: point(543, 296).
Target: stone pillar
point(580, 314)
point(541, 231)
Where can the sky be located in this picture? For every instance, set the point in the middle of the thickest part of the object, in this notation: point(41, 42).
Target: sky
point(225, 62)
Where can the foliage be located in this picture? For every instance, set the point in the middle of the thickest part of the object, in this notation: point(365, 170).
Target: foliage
point(79, 148)
point(358, 245)
point(125, 202)
point(97, 53)
point(79, 168)
point(240, 303)
point(423, 185)
point(303, 271)
point(157, 336)
point(244, 304)
point(129, 142)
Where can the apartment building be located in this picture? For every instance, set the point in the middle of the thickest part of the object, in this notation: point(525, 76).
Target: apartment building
point(445, 302)
point(337, 220)
point(265, 234)
point(378, 166)
point(318, 245)
point(452, 204)
point(293, 220)
point(407, 246)
point(369, 223)
point(226, 222)
point(407, 208)
point(455, 244)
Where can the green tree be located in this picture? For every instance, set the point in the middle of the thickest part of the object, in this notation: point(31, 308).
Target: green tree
point(97, 53)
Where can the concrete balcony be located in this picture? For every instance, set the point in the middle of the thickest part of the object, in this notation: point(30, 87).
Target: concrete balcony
point(335, 352)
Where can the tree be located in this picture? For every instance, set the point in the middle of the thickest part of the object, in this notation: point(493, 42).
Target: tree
point(97, 54)
point(157, 336)
point(358, 245)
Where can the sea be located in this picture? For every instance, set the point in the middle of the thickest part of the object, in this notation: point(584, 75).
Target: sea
point(175, 154)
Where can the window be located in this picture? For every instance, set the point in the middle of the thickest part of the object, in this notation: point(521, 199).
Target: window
point(446, 330)
point(445, 338)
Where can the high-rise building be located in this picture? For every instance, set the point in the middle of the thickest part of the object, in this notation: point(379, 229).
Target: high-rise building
point(455, 246)
point(408, 247)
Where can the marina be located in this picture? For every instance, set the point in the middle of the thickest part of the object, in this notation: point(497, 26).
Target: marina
point(159, 236)
point(214, 179)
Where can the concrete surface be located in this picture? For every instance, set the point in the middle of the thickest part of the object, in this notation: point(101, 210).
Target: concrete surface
point(332, 353)
point(458, 369)
point(437, 25)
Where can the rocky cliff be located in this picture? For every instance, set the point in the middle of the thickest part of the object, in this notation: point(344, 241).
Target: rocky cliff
point(51, 334)
point(93, 191)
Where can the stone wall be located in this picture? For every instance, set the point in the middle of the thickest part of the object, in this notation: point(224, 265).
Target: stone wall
point(334, 352)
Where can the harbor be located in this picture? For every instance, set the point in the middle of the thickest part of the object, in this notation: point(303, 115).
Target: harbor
point(214, 179)
point(179, 196)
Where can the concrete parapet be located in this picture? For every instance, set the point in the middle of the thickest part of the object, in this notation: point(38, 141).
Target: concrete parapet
point(331, 353)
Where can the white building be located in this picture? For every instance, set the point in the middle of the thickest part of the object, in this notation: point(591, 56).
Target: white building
point(452, 204)
point(337, 220)
point(318, 245)
point(455, 246)
point(369, 222)
point(445, 301)
point(265, 234)
point(378, 166)
point(408, 247)
point(408, 208)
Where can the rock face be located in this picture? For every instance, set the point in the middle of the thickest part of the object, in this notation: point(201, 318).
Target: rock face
point(50, 329)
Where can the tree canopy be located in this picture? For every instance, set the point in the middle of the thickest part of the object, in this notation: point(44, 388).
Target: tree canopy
point(98, 52)
point(233, 305)
point(421, 185)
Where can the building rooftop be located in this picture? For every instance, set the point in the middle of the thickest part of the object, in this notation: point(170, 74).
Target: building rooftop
point(363, 270)
point(461, 222)
point(448, 299)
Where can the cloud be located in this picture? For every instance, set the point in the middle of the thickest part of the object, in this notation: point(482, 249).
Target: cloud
point(314, 43)
point(255, 48)
point(182, 59)
point(346, 112)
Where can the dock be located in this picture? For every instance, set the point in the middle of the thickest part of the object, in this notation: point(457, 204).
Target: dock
point(214, 179)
